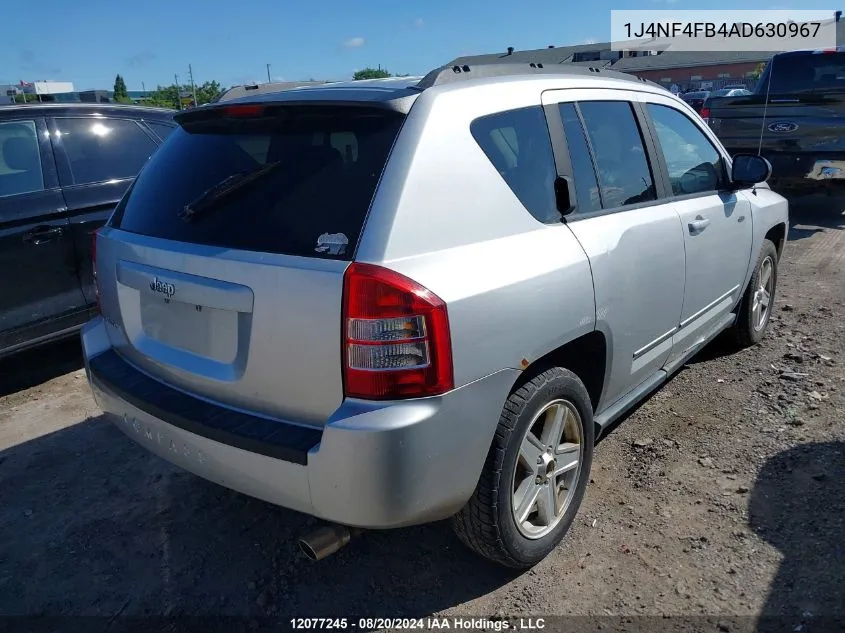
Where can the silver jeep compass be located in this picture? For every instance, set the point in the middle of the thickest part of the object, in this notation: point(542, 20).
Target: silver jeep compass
point(385, 303)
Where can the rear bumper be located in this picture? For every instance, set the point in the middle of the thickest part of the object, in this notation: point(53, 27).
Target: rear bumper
point(373, 465)
point(807, 170)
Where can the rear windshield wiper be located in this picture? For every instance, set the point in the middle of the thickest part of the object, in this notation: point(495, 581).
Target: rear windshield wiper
point(237, 181)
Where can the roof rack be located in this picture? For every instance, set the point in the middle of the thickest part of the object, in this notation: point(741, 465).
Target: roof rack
point(452, 73)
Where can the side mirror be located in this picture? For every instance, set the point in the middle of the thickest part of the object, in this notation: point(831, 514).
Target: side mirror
point(563, 195)
point(749, 169)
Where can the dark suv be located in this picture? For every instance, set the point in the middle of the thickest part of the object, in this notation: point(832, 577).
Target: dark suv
point(63, 168)
point(696, 99)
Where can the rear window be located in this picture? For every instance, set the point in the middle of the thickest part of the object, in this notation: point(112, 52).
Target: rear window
point(295, 180)
point(820, 72)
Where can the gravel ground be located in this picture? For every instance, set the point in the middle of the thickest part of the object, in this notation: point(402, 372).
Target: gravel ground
point(720, 496)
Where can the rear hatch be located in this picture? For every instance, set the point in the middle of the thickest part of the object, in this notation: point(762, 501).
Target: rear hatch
point(221, 270)
point(802, 97)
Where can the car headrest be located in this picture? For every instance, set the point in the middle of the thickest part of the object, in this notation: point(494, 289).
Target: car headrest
point(320, 155)
point(21, 153)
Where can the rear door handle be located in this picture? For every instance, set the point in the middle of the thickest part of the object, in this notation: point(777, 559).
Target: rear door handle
point(42, 234)
point(698, 225)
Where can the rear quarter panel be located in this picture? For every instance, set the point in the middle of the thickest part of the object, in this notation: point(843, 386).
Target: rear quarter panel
point(515, 288)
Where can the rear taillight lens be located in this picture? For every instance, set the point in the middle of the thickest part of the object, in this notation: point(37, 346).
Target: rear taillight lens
point(705, 114)
point(94, 266)
point(396, 340)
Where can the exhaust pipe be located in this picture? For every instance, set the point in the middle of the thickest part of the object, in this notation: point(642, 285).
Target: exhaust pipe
point(326, 540)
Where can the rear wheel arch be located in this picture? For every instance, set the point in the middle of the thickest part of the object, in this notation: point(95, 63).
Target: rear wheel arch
point(488, 523)
point(585, 356)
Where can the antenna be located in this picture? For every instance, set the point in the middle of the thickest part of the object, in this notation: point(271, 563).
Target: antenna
point(766, 104)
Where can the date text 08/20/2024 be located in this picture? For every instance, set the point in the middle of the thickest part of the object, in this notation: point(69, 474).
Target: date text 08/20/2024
point(424, 624)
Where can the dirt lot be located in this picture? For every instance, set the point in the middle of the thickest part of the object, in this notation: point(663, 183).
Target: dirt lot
point(722, 495)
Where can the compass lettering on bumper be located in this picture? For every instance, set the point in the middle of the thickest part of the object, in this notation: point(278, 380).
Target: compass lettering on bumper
point(146, 434)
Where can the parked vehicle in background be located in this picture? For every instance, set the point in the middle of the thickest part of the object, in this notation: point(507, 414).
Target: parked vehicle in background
point(796, 117)
point(299, 303)
point(696, 99)
point(730, 92)
point(63, 168)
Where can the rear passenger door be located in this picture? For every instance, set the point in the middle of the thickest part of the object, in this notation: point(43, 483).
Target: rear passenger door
point(633, 239)
point(716, 222)
point(98, 158)
point(39, 290)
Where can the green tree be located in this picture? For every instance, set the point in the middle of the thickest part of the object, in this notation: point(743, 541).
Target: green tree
point(164, 97)
point(371, 73)
point(121, 95)
point(755, 74)
point(207, 91)
point(168, 96)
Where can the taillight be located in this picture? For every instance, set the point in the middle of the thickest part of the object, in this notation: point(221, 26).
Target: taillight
point(94, 266)
point(396, 340)
point(705, 114)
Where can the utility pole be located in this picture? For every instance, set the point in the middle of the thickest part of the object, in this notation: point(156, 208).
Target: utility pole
point(193, 87)
point(144, 89)
point(178, 93)
point(269, 81)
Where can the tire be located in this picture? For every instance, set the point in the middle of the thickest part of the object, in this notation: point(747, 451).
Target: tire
point(748, 329)
point(486, 524)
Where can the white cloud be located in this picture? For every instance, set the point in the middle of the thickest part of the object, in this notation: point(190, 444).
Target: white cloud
point(355, 42)
point(419, 23)
point(591, 40)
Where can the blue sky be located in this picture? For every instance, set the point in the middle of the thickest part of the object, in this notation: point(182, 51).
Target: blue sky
point(89, 41)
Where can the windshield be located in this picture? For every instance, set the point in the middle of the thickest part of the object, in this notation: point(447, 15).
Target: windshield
point(809, 72)
point(285, 183)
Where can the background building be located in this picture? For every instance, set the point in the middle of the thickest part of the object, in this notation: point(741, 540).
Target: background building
point(687, 70)
point(95, 96)
point(34, 91)
point(8, 92)
point(47, 87)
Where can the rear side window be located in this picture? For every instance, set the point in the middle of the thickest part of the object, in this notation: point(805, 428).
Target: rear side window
point(100, 149)
point(517, 142)
point(161, 129)
point(624, 172)
point(586, 185)
point(804, 72)
point(20, 159)
point(295, 180)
